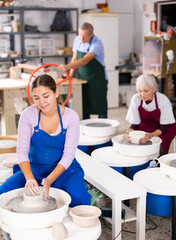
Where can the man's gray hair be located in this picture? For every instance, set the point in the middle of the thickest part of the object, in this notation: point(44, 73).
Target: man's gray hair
point(87, 26)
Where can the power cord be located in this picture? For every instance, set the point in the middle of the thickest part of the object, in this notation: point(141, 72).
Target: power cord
point(155, 225)
point(123, 230)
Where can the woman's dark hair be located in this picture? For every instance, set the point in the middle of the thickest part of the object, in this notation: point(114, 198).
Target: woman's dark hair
point(46, 81)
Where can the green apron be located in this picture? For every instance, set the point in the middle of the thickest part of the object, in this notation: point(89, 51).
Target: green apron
point(95, 90)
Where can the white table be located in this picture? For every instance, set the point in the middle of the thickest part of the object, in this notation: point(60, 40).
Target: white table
point(157, 183)
point(75, 232)
point(11, 88)
point(118, 188)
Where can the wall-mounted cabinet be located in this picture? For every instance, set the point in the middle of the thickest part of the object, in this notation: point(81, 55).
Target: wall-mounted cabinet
point(19, 26)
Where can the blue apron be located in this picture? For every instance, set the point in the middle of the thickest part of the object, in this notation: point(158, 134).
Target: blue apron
point(44, 154)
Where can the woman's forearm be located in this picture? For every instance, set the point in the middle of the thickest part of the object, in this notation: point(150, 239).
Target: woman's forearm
point(26, 169)
point(156, 133)
point(59, 169)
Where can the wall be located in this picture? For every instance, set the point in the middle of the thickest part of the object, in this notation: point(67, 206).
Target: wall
point(125, 9)
point(138, 26)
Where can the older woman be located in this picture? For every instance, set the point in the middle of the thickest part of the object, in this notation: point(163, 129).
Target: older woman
point(152, 112)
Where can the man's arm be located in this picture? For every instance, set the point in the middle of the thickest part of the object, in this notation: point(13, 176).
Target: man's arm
point(74, 59)
point(75, 63)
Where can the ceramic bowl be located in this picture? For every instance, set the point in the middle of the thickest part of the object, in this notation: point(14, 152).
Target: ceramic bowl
point(136, 136)
point(7, 28)
point(60, 51)
point(4, 55)
point(85, 215)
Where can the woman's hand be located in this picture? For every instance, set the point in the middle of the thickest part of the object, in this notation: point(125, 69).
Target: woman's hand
point(46, 187)
point(128, 138)
point(33, 186)
point(146, 138)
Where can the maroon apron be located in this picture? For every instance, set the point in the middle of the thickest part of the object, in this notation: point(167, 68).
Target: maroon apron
point(150, 122)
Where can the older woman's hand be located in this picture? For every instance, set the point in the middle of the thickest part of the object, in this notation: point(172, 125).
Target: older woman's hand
point(128, 138)
point(146, 138)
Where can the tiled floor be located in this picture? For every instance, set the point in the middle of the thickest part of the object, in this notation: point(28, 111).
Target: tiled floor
point(163, 230)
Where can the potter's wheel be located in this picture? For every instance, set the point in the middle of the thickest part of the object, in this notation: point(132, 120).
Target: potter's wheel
point(150, 148)
point(168, 165)
point(29, 203)
point(124, 141)
point(8, 143)
point(33, 220)
point(173, 163)
point(99, 127)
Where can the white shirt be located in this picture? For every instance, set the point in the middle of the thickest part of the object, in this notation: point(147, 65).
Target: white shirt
point(164, 104)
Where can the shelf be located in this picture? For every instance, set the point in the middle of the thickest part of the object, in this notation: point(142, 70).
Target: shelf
point(47, 56)
point(47, 9)
point(59, 32)
point(21, 12)
point(10, 33)
point(9, 58)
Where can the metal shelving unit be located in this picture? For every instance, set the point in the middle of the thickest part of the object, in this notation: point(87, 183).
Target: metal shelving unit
point(43, 34)
point(9, 13)
point(21, 12)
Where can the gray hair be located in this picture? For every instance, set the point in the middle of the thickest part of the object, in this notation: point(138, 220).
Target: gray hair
point(87, 26)
point(146, 80)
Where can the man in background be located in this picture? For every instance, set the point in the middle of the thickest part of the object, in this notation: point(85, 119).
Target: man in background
point(88, 58)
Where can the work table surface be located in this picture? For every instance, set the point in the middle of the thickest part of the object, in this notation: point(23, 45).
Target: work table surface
point(9, 83)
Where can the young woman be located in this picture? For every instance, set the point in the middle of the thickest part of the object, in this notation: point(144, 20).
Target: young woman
point(152, 112)
point(48, 135)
